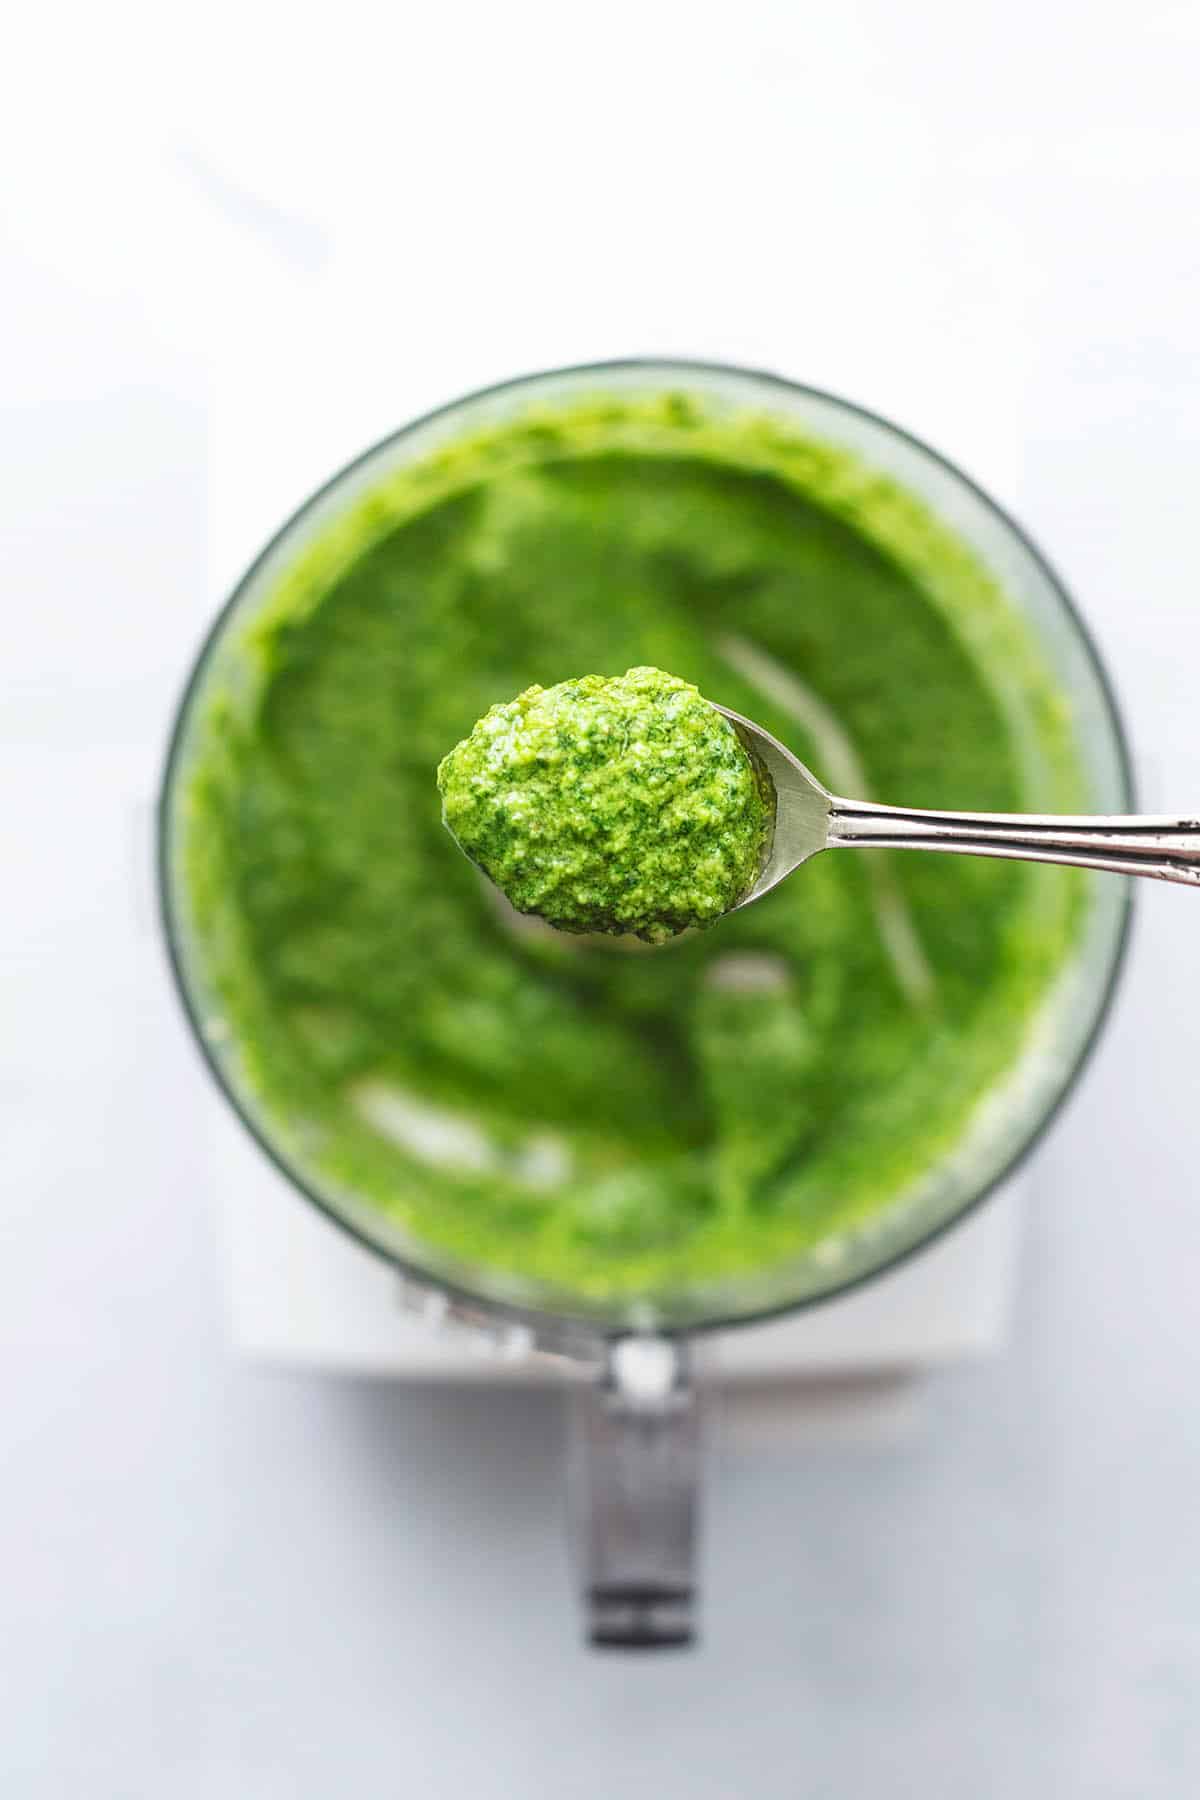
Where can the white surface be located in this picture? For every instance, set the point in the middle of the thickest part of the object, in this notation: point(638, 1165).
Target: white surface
point(217, 1581)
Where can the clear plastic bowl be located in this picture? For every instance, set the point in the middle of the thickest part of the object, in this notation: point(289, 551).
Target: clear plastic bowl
point(1014, 1114)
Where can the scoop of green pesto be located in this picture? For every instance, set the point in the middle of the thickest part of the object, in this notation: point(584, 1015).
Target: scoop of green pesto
point(620, 804)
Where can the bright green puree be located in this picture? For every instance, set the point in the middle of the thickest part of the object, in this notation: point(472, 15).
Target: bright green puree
point(615, 803)
point(613, 1120)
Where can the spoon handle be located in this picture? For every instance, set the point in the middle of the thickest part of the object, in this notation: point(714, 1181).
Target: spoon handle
point(1167, 848)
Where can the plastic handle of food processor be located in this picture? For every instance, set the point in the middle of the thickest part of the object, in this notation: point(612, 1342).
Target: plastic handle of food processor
point(635, 1473)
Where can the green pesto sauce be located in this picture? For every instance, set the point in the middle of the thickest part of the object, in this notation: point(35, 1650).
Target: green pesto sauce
point(564, 1110)
point(617, 804)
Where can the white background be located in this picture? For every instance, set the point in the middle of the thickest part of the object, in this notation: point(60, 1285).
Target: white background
point(215, 1581)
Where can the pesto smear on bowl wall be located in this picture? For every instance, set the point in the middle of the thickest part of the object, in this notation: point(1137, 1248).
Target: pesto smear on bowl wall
point(614, 1127)
point(611, 804)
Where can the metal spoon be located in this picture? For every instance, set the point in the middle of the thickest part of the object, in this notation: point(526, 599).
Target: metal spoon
point(809, 819)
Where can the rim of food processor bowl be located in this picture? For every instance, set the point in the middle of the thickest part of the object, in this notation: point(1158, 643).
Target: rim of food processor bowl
point(552, 1326)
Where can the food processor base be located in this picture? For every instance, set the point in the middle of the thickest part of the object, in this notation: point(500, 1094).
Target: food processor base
point(304, 1294)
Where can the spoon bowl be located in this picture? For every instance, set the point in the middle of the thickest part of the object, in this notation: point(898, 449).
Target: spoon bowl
point(802, 810)
point(808, 819)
